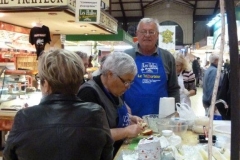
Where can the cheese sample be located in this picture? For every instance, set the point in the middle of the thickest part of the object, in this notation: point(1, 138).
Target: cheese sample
point(149, 148)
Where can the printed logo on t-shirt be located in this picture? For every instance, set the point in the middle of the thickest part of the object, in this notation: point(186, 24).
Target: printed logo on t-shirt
point(126, 120)
point(149, 73)
point(39, 41)
point(148, 67)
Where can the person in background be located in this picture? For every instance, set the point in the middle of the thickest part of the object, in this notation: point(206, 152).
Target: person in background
point(226, 65)
point(196, 70)
point(90, 61)
point(208, 81)
point(62, 126)
point(205, 68)
point(98, 71)
point(186, 79)
point(156, 76)
point(85, 60)
point(117, 74)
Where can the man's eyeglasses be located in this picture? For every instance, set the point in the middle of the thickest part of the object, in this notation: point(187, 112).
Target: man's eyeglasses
point(125, 82)
point(145, 32)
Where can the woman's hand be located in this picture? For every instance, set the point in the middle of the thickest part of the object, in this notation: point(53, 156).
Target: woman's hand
point(135, 119)
point(133, 130)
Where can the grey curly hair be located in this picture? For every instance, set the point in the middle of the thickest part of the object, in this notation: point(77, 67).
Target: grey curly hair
point(119, 63)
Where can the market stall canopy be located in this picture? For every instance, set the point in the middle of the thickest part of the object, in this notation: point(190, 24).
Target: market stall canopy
point(121, 36)
point(59, 16)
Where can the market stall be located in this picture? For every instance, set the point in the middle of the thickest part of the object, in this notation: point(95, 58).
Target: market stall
point(187, 147)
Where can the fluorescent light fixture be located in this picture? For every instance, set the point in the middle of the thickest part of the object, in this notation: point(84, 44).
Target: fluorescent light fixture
point(118, 48)
point(215, 20)
point(123, 47)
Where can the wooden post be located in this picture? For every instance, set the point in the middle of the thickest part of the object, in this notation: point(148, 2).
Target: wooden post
point(216, 84)
point(234, 79)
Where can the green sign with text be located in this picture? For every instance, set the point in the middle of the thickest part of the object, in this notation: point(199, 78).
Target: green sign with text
point(87, 15)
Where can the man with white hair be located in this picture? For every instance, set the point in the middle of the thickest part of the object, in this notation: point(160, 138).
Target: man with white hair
point(156, 75)
point(209, 80)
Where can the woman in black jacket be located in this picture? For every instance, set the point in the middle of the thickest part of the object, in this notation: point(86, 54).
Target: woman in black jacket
point(62, 126)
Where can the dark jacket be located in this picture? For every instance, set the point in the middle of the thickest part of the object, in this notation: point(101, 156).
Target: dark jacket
point(93, 91)
point(196, 68)
point(61, 127)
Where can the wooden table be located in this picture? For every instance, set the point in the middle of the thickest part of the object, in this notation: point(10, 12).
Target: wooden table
point(189, 138)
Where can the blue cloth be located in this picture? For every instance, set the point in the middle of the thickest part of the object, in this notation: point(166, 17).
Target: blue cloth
point(149, 85)
point(123, 117)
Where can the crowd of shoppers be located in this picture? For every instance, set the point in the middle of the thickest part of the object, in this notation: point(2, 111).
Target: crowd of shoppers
point(90, 119)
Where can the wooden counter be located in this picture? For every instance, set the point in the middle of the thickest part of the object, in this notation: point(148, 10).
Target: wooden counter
point(189, 138)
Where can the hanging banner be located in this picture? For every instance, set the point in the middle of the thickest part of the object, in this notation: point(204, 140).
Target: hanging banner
point(167, 38)
point(88, 11)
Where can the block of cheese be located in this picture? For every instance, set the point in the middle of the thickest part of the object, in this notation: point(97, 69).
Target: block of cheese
point(149, 148)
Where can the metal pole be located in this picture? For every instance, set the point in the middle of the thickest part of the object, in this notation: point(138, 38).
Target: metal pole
point(234, 79)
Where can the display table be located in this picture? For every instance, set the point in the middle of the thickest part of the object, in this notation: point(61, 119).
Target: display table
point(189, 138)
point(7, 116)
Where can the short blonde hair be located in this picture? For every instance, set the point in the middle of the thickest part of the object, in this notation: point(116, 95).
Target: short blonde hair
point(62, 69)
point(181, 59)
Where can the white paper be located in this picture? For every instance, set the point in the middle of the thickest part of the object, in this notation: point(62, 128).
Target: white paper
point(166, 106)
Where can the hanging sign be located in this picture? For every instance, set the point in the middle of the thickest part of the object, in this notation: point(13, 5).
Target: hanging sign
point(108, 22)
point(88, 11)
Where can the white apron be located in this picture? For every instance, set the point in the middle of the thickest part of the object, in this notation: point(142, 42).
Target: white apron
point(183, 98)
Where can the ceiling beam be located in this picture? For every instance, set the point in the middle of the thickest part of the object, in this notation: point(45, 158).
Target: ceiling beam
point(129, 19)
point(124, 15)
point(194, 8)
point(117, 10)
point(202, 17)
point(216, 7)
point(130, 2)
point(150, 3)
point(110, 7)
point(188, 2)
point(141, 4)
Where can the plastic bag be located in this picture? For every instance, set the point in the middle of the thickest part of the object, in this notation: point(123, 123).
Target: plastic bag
point(186, 112)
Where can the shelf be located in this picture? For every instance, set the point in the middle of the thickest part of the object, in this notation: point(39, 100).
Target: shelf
point(13, 81)
point(17, 93)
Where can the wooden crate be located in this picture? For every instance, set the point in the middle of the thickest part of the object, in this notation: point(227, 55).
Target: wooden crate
point(26, 62)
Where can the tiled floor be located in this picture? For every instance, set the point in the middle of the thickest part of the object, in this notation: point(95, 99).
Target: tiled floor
point(196, 102)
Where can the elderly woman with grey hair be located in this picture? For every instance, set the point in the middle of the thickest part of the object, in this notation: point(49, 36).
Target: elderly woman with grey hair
point(117, 74)
point(62, 126)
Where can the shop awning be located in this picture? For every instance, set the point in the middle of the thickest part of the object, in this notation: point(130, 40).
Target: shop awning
point(120, 36)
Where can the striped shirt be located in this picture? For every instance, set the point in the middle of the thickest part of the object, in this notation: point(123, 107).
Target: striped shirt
point(189, 80)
